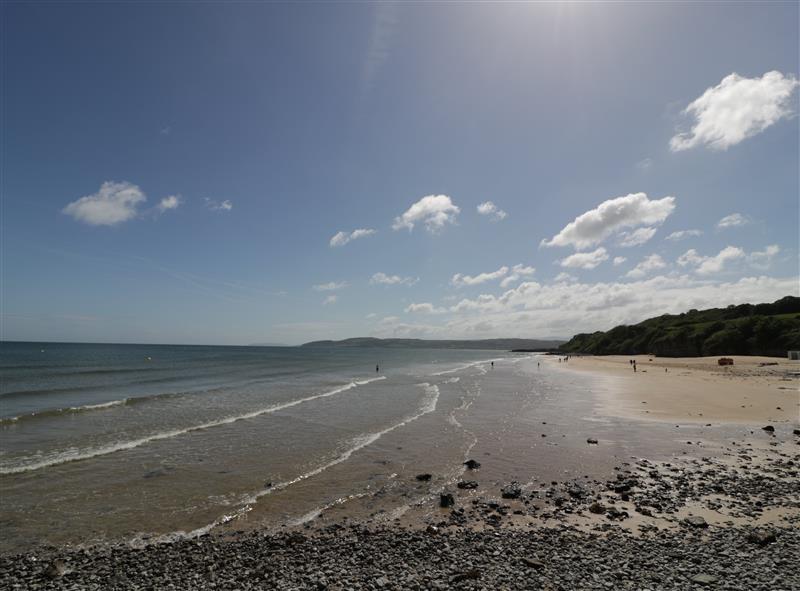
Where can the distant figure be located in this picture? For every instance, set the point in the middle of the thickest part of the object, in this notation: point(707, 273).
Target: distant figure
point(538, 364)
point(634, 366)
point(665, 370)
point(377, 368)
point(492, 364)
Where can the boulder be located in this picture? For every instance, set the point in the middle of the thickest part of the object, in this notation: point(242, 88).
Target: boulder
point(761, 537)
point(472, 464)
point(446, 500)
point(511, 491)
point(696, 521)
point(423, 477)
point(467, 484)
point(591, 441)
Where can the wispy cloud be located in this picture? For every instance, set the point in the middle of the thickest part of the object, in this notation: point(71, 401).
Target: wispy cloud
point(682, 234)
point(637, 237)
point(596, 225)
point(459, 280)
point(342, 238)
point(707, 265)
point(618, 261)
point(488, 208)
point(435, 211)
point(517, 273)
point(762, 259)
point(169, 202)
point(331, 299)
point(113, 204)
point(585, 260)
point(733, 220)
point(649, 264)
point(330, 286)
point(425, 308)
point(384, 279)
point(736, 109)
point(214, 205)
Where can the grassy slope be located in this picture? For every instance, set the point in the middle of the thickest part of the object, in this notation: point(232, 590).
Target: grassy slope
point(762, 329)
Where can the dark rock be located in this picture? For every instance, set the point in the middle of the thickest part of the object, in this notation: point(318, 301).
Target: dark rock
point(446, 500)
point(467, 484)
point(768, 429)
point(472, 464)
point(423, 477)
point(695, 521)
point(591, 441)
point(597, 508)
point(704, 579)
point(761, 537)
point(55, 569)
point(533, 563)
point(511, 491)
point(471, 574)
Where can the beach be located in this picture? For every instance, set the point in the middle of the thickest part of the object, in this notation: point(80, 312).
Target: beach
point(483, 471)
point(697, 389)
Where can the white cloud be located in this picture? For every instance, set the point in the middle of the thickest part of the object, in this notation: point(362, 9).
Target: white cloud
point(371, 315)
point(113, 204)
point(762, 259)
point(565, 308)
point(619, 260)
point(384, 279)
point(342, 238)
point(565, 277)
point(213, 205)
point(330, 286)
point(681, 234)
point(585, 260)
point(425, 308)
point(460, 280)
point(517, 273)
point(736, 109)
point(690, 257)
point(331, 299)
point(594, 226)
point(636, 237)
point(707, 265)
point(646, 266)
point(645, 164)
point(435, 211)
point(732, 221)
point(169, 202)
point(489, 208)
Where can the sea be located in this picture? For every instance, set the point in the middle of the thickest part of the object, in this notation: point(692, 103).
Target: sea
point(106, 443)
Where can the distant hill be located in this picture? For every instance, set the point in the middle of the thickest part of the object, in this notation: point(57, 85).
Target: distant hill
point(761, 329)
point(501, 344)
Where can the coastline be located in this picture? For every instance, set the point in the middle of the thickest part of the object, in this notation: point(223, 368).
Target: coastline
point(655, 507)
point(697, 390)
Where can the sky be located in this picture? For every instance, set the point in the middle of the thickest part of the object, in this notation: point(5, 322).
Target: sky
point(235, 173)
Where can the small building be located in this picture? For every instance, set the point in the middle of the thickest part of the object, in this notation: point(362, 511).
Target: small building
point(794, 355)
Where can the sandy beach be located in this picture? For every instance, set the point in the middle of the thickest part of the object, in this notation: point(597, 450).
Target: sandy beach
point(753, 390)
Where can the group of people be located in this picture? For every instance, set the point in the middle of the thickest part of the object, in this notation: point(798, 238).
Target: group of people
point(632, 362)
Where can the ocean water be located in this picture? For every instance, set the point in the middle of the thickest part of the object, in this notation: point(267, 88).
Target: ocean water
point(134, 443)
point(184, 435)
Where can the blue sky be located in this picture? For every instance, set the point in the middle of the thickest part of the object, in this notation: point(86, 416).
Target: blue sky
point(176, 172)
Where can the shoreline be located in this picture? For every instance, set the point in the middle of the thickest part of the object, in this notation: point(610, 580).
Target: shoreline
point(707, 493)
point(696, 389)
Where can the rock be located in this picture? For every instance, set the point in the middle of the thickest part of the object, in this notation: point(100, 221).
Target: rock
point(696, 521)
point(597, 508)
point(473, 573)
point(55, 569)
point(704, 579)
point(533, 563)
point(467, 484)
point(472, 464)
point(761, 537)
point(796, 432)
point(768, 429)
point(382, 582)
point(423, 477)
point(511, 491)
point(591, 441)
point(432, 529)
point(446, 500)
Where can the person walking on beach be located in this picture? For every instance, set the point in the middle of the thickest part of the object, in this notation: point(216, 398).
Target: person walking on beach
point(377, 368)
point(634, 366)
